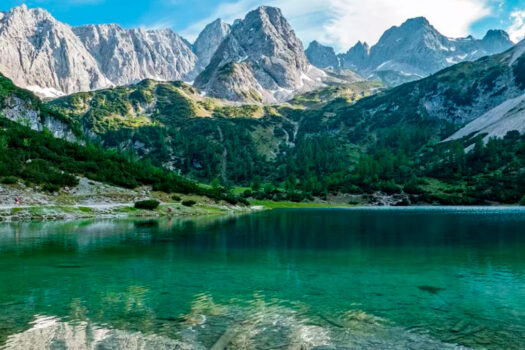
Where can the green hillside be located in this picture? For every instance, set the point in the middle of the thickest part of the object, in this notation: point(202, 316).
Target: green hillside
point(337, 140)
point(38, 158)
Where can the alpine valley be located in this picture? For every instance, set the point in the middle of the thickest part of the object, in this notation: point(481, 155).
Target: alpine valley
point(246, 114)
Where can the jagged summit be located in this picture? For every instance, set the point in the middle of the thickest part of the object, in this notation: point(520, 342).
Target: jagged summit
point(209, 40)
point(497, 40)
point(496, 34)
point(261, 60)
point(321, 56)
point(356, 57)
point(416, 49)
point(416, 22)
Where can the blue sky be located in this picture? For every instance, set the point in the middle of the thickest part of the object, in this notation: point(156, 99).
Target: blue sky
point(339, 23)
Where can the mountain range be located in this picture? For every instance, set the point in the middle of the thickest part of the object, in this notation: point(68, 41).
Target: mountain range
point(414, 138)
point(257, 59)
point(412, 51)
point(53, 59)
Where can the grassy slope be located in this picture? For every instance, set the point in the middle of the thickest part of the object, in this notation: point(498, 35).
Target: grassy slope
point(40, 159)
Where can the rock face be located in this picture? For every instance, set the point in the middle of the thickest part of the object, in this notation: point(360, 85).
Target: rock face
point(40, 53)
point(129, 55)
point(322, 56)
point(22, 107)
point(415, 50)
point(261, 60)
point(209, 41)
point(52, 59)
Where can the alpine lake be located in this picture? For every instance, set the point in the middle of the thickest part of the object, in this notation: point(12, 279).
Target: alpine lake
point(359, 278)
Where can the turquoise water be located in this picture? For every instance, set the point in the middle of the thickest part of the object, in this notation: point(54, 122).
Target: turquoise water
point(286, 279)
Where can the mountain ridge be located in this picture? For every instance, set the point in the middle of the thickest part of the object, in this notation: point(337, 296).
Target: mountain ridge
point(57, 59)
point(416, 49)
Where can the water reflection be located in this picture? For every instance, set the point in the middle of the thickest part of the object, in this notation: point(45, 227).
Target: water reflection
point(256, 324)
point(283, 279)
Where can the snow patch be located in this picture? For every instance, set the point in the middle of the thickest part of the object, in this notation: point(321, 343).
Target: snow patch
point(45, 92)
point(519, 50)
point(510, 115)
point(304, 78)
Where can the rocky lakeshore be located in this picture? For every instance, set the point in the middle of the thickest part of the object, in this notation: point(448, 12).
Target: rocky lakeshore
point(90, 199)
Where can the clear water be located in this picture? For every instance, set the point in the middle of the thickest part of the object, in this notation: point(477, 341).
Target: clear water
point(288, 279)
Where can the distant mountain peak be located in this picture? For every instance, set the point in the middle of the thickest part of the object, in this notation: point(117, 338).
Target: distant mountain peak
point(496, 33)
point(321, 56)
point(360, 46)
point(413, 50)
point(416, 21)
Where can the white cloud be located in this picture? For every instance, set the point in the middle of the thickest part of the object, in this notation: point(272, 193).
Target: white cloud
point(517, 29)
point(341, 23)
point(357, 19)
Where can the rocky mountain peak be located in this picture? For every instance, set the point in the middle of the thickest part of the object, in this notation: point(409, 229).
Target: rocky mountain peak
point(22, 13)
point(356, 57)
point(265, 32)
point(497, 41)
point(261, 60)
point(321, 56)
point(415, 23)
point(361, 46)
point(209, 41)
point(496, 34)
point(413, 31)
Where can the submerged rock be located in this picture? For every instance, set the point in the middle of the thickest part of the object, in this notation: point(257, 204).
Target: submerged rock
point(431, 289)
